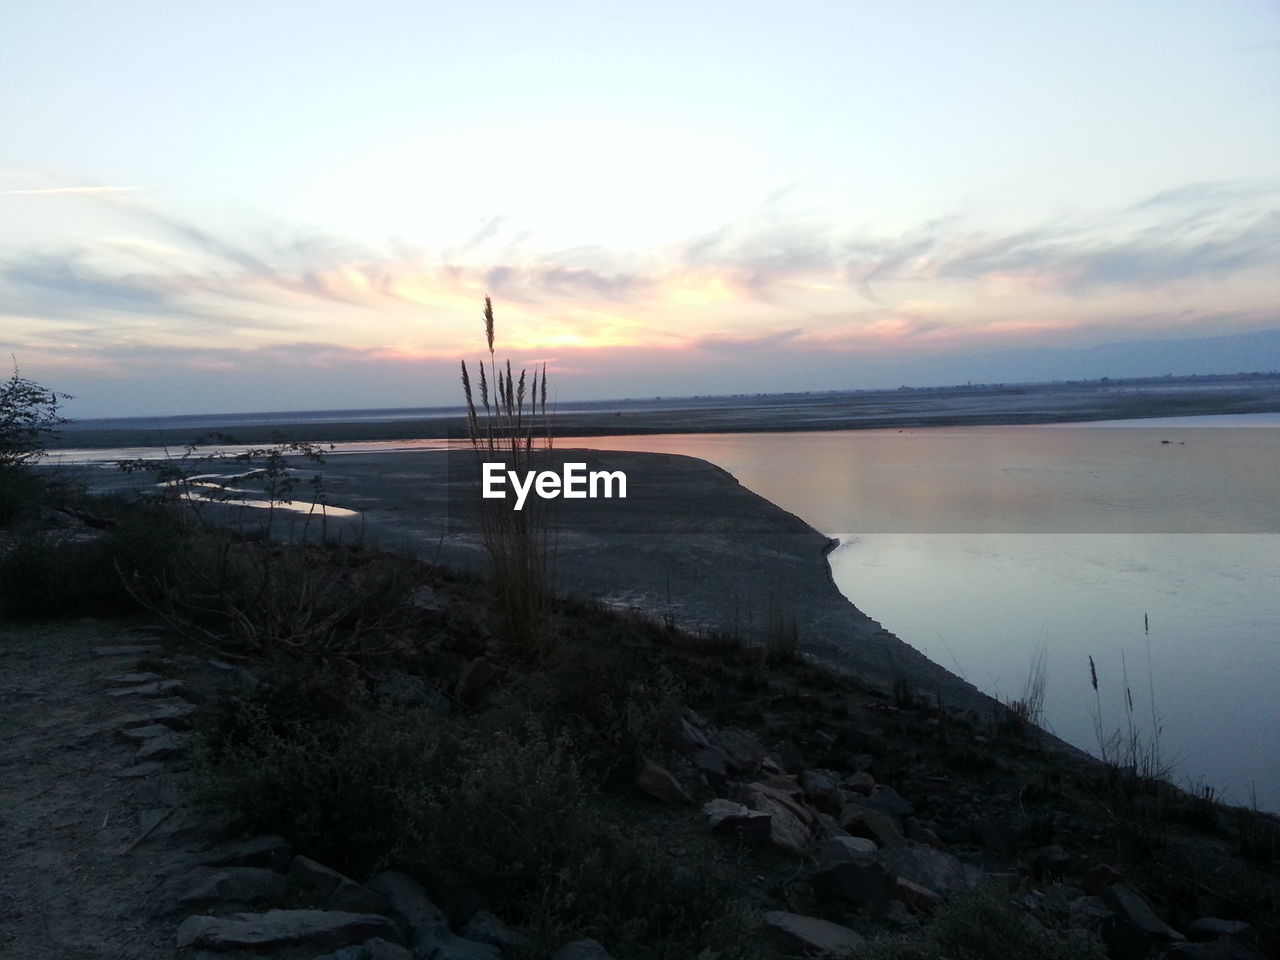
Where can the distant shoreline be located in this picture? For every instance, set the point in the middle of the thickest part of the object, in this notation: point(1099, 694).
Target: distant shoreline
point(983, 405)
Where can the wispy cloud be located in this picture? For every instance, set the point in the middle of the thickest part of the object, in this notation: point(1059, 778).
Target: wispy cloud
point(764, 283)
point(71, 192)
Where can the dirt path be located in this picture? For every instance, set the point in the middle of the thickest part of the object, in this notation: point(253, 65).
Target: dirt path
point(75, 881)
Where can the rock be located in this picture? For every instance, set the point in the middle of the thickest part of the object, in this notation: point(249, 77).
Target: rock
point(140, 771)
point(714, 764)
point(321, 885)
point(188, 826)
point(241, 885)
point(143, 733)
point(839, 849)
point(820, 787)
point(938, 871)
point(127, 650)
point(475, 679)
point(789, 828)
point(280, 928)
point(915, 895)
point(129, 679)
point(862, 821)
point(487, 928)
point(692, 737)
point(167, 746)
point(375, 949)
point(726, 816)
point(175, 714)
point(861, 881)
point(1130, 904)
point(159, 688)
point(659, 783)
point(440, 944)
point(269, 851)
point(582, 950)
point(1223, 949)
point(888, 800)
point(826, 827)
point(861, 782)
point(811, 935)
point(412, 907)
point(1101, 877)
point(1211, 928)
point(745, 753)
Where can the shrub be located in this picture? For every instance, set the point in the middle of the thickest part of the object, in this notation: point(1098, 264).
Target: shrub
point(28, 414)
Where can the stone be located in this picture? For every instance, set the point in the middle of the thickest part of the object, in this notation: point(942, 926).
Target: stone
point(167, 746)
point(811, 935)
point(915, 895)
point(790, 826)
point(692, 737)
point(726, 816)
point(744, 751)
point(127, 650)
point(820, 787)
point(475, 679)
point(930, 868)
point(143, 733)
point(839, 849)
point(888, 800)
point(862, 821)
point(1131, 905)
point(140, 771)
point(242, 885)
point(861, 881)
point(321, 885)
point(582, 950)
point(713, 762)
point(861, 782)
point(128, 679)
point(660, 783)
point(175, 714)
point(440, 944)
point(826, 826)
point(1222, 949)
point(374, 949)
point(281, 928)
point(269, 851)
point(487, 928)
point(1211, 928)
point(159, 688)
point(412, 907)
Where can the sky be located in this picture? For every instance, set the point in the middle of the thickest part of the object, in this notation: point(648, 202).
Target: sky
point(229, 207)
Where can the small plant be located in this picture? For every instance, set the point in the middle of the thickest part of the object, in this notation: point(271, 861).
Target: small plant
point(1022, 716)
point(511, 415)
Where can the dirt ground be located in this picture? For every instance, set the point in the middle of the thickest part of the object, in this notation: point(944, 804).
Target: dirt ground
point(76, 880)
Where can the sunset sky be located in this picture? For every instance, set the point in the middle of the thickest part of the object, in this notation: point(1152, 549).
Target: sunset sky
point(210, 207)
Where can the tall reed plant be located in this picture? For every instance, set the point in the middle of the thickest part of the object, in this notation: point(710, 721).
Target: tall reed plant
point(510, 426)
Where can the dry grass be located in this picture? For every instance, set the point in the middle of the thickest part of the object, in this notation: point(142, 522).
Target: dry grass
point(510, 425)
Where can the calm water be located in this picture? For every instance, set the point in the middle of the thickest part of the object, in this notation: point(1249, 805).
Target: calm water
point(986, 547)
